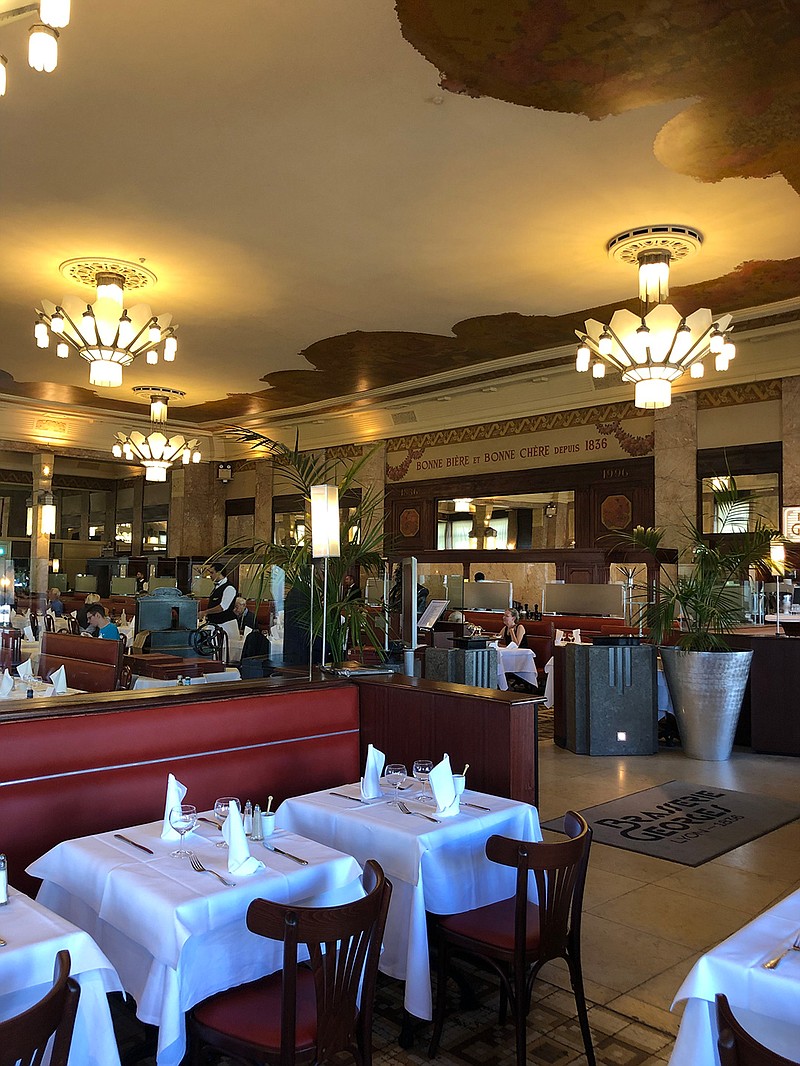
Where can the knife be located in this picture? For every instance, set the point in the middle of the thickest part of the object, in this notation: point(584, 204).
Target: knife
point(477, 806)
point(287, 854)
point(3, 943)
point(141, 847)
point(353, 799)
point(210, 821)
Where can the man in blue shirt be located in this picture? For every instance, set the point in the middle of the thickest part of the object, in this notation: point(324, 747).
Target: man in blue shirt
point(54, 603)
point(106, 629)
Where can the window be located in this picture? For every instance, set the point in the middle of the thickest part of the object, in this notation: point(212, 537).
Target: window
point(507, 523)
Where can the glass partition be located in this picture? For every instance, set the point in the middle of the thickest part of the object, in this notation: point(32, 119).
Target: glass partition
point(521, 584)
point(507, 523)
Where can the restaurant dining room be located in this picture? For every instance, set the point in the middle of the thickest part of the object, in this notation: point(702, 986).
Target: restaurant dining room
point(399, 533)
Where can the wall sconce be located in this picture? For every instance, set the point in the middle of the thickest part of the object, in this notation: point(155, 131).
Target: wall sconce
point(550, 510)
point(224, 472)
point(47, 514)
point(56, 565)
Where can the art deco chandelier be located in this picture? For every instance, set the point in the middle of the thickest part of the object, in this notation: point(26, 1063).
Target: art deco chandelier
point(156, 452)
point(107, 334)
point(657, 347)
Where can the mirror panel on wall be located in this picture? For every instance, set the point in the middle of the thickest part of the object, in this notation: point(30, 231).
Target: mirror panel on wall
point(507, 522)
point(761, 503)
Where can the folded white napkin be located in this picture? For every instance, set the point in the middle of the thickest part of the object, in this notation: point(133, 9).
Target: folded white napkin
point(568, 636)
point(123, 619)
point(7, 684)
point(25, 669)
point(175, 793)
point(58, 679)
point(443, 788)
point(371, 781)
point(27, 632)
point(240, 861)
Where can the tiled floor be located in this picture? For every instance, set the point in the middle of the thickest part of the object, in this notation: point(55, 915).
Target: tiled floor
point(645, 922)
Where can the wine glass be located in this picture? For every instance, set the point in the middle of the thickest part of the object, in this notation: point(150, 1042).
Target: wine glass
point(422, 767)
point(396, 774)
point(183, 819)
point(221, 808)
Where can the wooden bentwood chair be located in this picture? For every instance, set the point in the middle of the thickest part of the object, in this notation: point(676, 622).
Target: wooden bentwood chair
point(23, 1038)
point(309, 1013)
point(737, 1047)
point(515, 937)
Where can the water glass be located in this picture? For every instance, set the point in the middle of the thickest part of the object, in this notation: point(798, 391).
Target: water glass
point(396, 774)
point(221, 808)
point(422, 767)
point(183, 819)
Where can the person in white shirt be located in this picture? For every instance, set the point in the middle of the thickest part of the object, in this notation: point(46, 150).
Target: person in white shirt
point(221, 602)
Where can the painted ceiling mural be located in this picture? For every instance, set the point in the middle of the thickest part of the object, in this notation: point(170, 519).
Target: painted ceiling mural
point(738, 58)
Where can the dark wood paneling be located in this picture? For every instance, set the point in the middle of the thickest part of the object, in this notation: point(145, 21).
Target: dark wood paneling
point(772, 693)
point(409, 719)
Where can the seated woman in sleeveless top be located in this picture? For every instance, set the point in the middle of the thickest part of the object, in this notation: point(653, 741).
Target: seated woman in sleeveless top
point(513, 631)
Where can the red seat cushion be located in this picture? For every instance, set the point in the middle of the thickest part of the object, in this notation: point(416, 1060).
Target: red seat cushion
point(252, 1013)
point(493, 925)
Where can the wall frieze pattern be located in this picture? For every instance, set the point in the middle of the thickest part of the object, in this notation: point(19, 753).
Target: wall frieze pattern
point(613, 412)
point(733, 395)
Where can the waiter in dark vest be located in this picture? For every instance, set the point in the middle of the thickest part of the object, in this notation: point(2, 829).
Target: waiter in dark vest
point(219, 611)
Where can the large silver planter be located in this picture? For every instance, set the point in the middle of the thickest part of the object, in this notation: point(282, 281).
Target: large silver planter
point(706, 689)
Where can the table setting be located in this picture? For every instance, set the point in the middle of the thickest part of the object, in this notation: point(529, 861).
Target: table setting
point(229, 674)
point(17, 688)
point(518, 661)
point(758, 969)
point(172, 919)
point(433, 852)
point(31, 938)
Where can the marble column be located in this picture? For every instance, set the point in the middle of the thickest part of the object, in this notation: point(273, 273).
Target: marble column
point(137, 522)
point(265, 487)
point(196, 511)
point(372, 478)
point(42, 467)
point(676, 468)
point(790, 427)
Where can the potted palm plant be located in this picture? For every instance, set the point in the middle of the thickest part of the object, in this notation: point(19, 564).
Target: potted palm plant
point(692, 610)
point(319, 600)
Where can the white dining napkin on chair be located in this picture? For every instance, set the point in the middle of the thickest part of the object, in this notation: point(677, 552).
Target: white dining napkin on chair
point(25, 670)
point(240, 861)
point(444, 789)
point(175, 793)
point(58, 679)
point(27, 632)
point(371, 781)
point(7, 684)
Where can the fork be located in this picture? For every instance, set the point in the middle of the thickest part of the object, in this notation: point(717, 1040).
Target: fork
point(197, 865)
point(792, 947)
point(419, 814)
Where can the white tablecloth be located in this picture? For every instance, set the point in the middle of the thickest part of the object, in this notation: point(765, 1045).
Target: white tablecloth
point(549, 684)
point(31, 649)
point(441, 868)
point(35, 935)
point(157, 682)
point(176, 936)
point(20, 691)
point(765, 1001)
point(519, 661)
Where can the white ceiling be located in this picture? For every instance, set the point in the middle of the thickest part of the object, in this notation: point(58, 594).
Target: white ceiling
point(291, 170)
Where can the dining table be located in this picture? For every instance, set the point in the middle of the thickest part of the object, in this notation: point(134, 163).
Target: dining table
point(174, 935)
point(518, 661)
point(435, 864)
point(33, 937)
point(229, 674)
point(764, 999)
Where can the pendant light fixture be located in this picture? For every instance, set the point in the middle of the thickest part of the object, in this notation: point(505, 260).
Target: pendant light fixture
point(156, 452)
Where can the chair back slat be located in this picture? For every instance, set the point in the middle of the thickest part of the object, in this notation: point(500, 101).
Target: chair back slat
point(24, 1038)
point(344, 947)
point(737, 1047)
point(559, 870)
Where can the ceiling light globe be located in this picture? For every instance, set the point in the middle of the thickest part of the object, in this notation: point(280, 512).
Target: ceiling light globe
point(715, 341)
point(720, 362)
point(42, 334)
point(196, 457)
point(728, 350)
point(697, 370)
point(126, 333)
point(155, 471)
point(170, 348)
point(57, 321)
point(55, 13)
point(105, 374)
point(598, 370)
point(583, 358)
point(154, 332)
point(653, 393)
point(43, 48)
point(152, 357)
point(62, 350)
point(605, 344)
point(116, 451)
point(3, 75)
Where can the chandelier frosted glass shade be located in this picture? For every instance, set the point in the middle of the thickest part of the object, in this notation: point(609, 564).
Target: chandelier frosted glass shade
point(108, 335)
point(156, 452)
point(656, 350)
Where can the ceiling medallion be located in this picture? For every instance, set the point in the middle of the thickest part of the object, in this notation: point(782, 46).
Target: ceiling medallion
point(156, 452)
point(107, 334)
point(655, 348)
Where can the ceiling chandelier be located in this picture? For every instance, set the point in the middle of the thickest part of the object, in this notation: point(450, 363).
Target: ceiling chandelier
point(108, 335)
point(655, 348)
point(156, 452)
point(42, 36)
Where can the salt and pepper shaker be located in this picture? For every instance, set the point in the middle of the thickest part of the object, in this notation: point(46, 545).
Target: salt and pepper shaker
point(248, 818)
point(29, 693)
point(3, 881)
point(258, 825)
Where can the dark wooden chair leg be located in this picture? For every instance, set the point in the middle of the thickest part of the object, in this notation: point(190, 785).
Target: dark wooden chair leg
point(406, 1037)
point(576, 979)
point(502, 1014)
point(441, 999)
